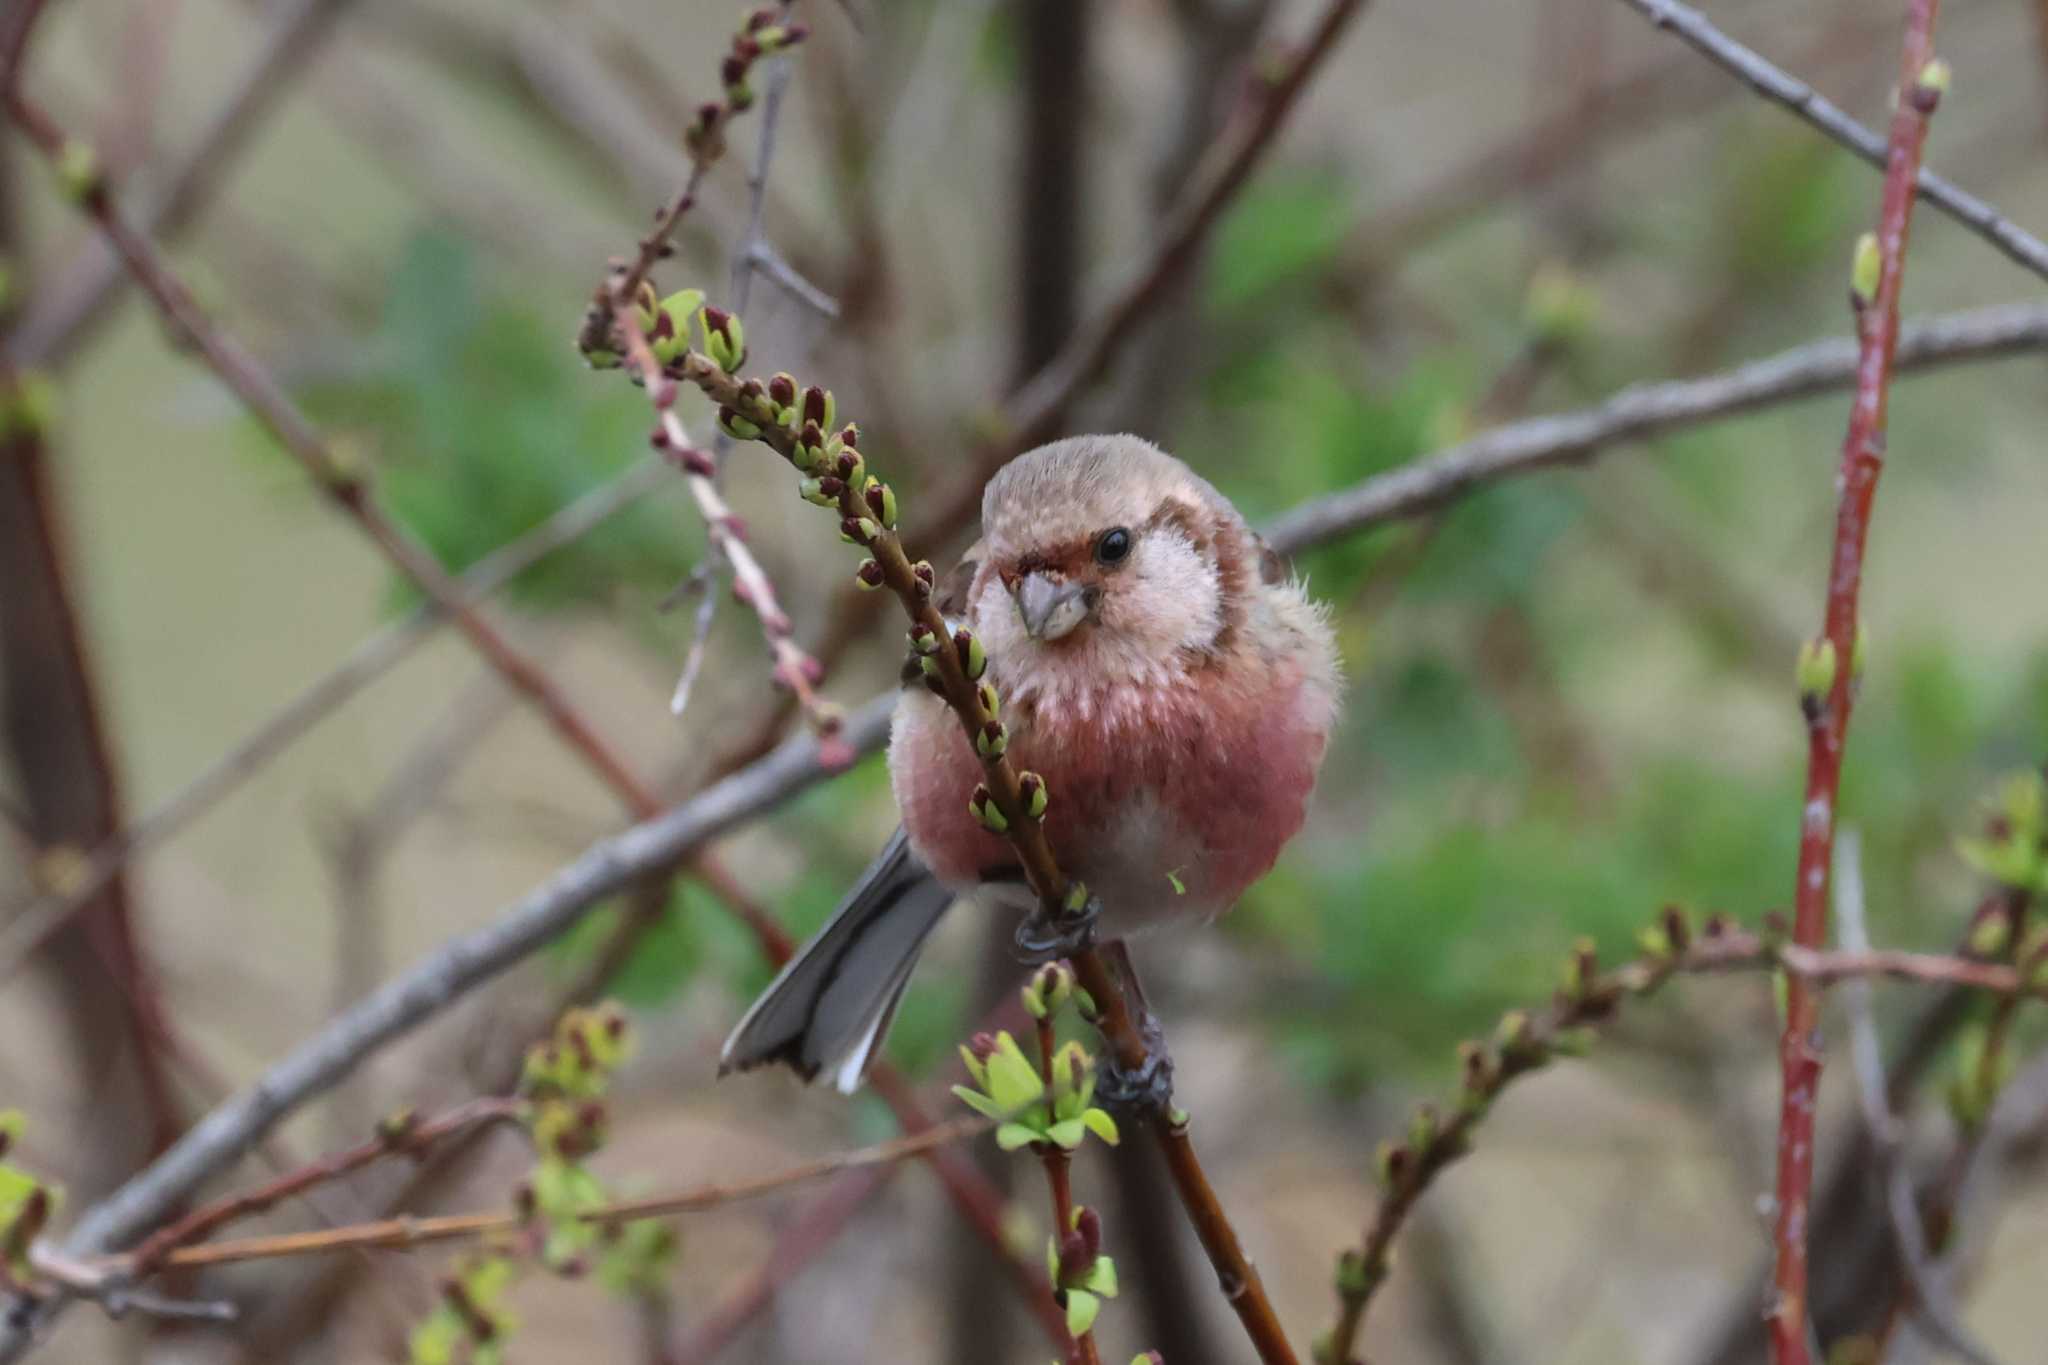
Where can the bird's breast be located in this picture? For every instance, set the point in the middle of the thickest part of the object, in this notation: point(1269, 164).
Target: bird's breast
point(1167, 799)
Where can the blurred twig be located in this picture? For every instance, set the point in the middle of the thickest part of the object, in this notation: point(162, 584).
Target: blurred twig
point(1645, 410)
point(54, 730)
point(1935, 1304)
point(404, 1233)
point(1809, 104)
point(368, 661)
point(66, 307)
point(794, 1247)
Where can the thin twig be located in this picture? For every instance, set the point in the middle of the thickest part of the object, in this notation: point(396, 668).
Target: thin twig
point(113, 1293)
point(78, 290)
point(809, 1233)
point(1936, 1307)
point(399, 1137)
point(772, 263)
point(32, 924)
point(1058, 1163)
point(1809, 104)
point(407, 1233)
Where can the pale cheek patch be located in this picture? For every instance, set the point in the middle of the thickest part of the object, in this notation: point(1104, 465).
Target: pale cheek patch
point(1170, 599)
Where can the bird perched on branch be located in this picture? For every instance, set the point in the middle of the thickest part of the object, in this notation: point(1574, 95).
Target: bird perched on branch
point(1157, 666)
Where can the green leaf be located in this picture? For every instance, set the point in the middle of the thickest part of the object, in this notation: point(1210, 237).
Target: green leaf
point(1012, 1081)
point(1101, 1278)
point(980, 1103)
point(1011, 1136)
point(1067, 1133)
point(1082, 1307)
point(1101, 1124)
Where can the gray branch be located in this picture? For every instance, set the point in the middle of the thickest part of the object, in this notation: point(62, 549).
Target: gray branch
point(1781, 87)
point(1645, 410)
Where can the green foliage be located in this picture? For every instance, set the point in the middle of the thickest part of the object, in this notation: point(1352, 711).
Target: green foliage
point(483, 429)
point(1283, 232)
point(1008, 1087)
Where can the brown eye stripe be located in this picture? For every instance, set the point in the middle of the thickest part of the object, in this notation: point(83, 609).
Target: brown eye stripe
point(1065, 557)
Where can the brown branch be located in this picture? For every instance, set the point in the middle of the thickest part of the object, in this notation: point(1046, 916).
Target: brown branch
point(1827, 699)
point(399, 1137)
point(405, 1234)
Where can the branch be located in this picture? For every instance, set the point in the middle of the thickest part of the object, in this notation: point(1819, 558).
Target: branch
point(1646, 410)
point(1804, 101)
point(1033, 410)
point(1030, 411)
point(65, 310)
point(406, 1234)
point(651, 848)
point(401, 1136)
point(792, 423)
point(29, 926)
point(1526, 1041)
point(1830, 667)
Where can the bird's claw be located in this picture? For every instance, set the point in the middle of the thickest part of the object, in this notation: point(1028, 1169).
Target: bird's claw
point(1147, 1088)
point(1047, 937)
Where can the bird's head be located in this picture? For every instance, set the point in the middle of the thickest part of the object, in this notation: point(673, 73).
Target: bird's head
point(1104, 553)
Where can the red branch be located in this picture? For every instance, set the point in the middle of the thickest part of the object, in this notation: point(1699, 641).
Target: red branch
point(1799, 1053)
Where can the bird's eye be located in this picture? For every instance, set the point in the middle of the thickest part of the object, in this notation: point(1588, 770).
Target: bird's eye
point(1113, 546)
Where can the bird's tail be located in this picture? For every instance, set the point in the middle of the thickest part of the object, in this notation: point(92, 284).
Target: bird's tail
point(829, 1008)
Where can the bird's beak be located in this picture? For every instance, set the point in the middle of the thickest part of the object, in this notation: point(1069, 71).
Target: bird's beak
point(1049, 607)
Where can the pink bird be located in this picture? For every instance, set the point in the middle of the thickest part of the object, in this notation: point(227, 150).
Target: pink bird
point(1156, 665)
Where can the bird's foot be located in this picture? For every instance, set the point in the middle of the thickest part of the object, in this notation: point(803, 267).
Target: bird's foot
point(1047, 937)
point(1148, 1087)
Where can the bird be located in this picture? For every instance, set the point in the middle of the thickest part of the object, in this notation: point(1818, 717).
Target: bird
point(1157, 665)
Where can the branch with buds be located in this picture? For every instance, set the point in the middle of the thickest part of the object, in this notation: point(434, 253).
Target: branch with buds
point(1051, 1110)
point(801, 423)
point(1526, 1041)
point(1831, 667)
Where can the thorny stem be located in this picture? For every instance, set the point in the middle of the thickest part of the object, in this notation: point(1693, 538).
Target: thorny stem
point(1862, 459)
point(406, 1233)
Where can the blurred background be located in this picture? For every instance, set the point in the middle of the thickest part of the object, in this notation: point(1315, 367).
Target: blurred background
point(1572, 698)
